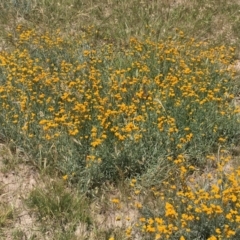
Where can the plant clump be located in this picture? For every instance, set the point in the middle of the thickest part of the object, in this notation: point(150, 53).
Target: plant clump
point(104, 112)
point(190, 208)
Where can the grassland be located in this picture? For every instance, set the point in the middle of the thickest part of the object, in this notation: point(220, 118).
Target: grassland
point(119, 120)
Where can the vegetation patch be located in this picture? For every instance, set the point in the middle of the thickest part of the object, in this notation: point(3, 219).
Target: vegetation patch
point(101, 114)
point(134, 113)
point(62, 210)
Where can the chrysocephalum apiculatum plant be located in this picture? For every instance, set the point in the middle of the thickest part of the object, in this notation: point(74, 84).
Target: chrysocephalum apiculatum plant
point(103, 112)
point(191, 206)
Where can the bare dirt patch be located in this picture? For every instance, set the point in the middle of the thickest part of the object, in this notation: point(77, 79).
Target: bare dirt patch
point(16, 183)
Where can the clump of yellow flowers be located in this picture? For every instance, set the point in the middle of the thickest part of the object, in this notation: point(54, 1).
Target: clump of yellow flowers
point(107, 112)
point(203, 206)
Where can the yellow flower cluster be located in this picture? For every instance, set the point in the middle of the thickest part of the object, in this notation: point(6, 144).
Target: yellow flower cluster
point(209, 209)
point(102, 105)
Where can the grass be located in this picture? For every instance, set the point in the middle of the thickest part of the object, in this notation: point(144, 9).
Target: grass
point(118, 21)
point(7, 212)
point(136, 96)
point(60, 209)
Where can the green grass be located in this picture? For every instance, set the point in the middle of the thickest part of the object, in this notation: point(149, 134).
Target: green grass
point(112, 93)
point(59, 209)
point(6, 214)
point(119, 20)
